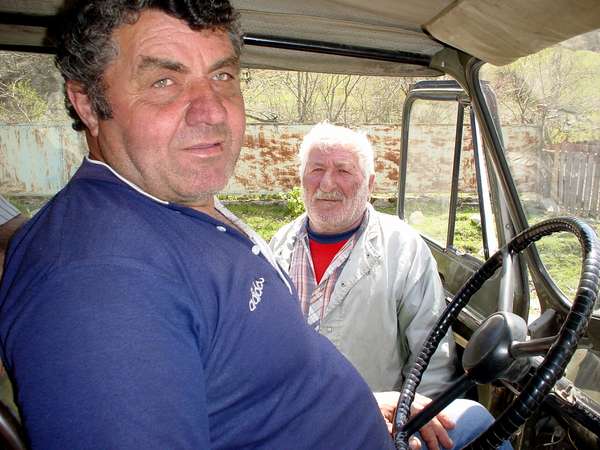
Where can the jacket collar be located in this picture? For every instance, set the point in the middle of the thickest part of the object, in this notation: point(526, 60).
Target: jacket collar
point(365, 256)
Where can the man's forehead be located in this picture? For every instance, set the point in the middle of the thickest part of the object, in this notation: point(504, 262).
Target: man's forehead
point(155, 29)
point(337, 153)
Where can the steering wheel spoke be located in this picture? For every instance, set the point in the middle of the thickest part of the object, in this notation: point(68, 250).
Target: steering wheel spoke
point(533, 347)
point(456, 390)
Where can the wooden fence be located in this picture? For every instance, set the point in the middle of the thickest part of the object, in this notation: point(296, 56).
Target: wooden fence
point(574, 178)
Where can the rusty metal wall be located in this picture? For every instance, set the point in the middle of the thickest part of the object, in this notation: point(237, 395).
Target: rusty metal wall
point(38, 160)
point(268, 161)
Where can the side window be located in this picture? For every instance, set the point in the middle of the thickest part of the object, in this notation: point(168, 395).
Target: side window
point(469, 236)
point(429, 163)
point(445, 188)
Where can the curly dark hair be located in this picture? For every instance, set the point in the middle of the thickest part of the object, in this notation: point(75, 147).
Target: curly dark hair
point(84, 45)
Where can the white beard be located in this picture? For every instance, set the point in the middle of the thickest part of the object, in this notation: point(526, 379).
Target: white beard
point(343, 215)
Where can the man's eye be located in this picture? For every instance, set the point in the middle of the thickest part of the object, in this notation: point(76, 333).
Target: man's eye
point(165, 82)
point(222, 76)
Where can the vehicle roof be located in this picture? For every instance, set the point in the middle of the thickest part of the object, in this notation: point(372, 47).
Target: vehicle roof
point(494, 31)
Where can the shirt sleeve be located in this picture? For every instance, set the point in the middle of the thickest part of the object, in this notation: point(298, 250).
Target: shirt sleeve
point(109, 356)
point(7, 211)
point(423, 304)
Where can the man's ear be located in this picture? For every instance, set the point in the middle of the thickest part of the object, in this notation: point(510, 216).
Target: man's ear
point(83, 105)
point(371, 183)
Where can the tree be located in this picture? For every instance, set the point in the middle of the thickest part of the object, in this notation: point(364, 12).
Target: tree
point(261, 94)
point(30, 88)
point(19, 102)
point(335, 91)
point(554, 89)
point(303, 86)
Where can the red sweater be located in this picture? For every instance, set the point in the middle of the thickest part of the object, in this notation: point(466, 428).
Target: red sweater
point(322, 254)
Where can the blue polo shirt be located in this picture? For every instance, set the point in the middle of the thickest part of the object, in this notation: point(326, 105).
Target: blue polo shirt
point(131, 323)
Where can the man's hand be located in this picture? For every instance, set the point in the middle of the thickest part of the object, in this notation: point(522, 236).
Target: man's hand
point(387, 402)
point(433, 433)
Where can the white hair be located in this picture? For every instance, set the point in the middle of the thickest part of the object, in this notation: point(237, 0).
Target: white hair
point(325, 135)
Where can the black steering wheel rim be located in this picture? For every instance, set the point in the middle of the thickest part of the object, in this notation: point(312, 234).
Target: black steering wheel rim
point(555, 360)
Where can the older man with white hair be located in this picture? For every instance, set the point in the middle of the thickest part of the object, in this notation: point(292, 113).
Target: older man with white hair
point(368, 282)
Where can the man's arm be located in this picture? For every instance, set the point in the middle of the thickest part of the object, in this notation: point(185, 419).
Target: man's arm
point(422, 304)
point(108, 355)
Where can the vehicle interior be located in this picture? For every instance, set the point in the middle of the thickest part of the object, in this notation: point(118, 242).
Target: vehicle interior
point(538, 374)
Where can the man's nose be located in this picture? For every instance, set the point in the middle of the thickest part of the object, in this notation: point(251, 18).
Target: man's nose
point(327, 183)
point(206, 105)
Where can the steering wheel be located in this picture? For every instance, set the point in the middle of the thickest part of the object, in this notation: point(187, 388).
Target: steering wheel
point(499, 350)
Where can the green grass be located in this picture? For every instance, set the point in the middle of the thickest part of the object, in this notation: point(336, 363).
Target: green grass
point(560, 253)
point(266, 219)
point(28, 204)
point(467, 236)
point(433, 223)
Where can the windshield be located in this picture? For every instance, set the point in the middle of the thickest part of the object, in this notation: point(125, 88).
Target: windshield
point(548, 105)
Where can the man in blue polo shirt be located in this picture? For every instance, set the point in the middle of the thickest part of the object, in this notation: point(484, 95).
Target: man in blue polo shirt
point(137, 312)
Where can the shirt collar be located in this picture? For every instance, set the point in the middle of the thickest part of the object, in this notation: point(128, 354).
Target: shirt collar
point(92, 168)
point(303, 231)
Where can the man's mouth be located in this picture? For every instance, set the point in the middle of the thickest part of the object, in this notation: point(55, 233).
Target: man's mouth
point(205, 149)
point(329, 196)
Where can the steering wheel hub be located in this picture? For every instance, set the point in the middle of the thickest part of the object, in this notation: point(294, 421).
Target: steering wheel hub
point(488, 356)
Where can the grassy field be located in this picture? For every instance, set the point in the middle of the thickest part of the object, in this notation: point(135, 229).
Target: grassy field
point(560, 252)
point(265, 218)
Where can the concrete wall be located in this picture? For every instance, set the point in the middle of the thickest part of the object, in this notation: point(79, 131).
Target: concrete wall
point(36, 160)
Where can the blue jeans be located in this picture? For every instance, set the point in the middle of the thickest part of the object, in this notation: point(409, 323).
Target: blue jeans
point(471, 420)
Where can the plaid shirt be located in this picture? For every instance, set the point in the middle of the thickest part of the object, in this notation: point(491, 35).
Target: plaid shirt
point(314, 297)
point(7, 211)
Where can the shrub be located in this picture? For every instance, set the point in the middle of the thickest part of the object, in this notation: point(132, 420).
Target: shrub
point(294, 202)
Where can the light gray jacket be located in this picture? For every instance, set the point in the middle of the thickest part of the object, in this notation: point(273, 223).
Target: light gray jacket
point(386, 300)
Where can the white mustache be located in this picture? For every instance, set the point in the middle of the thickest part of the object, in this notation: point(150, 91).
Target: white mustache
point(335, 195)
point(205, 133)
